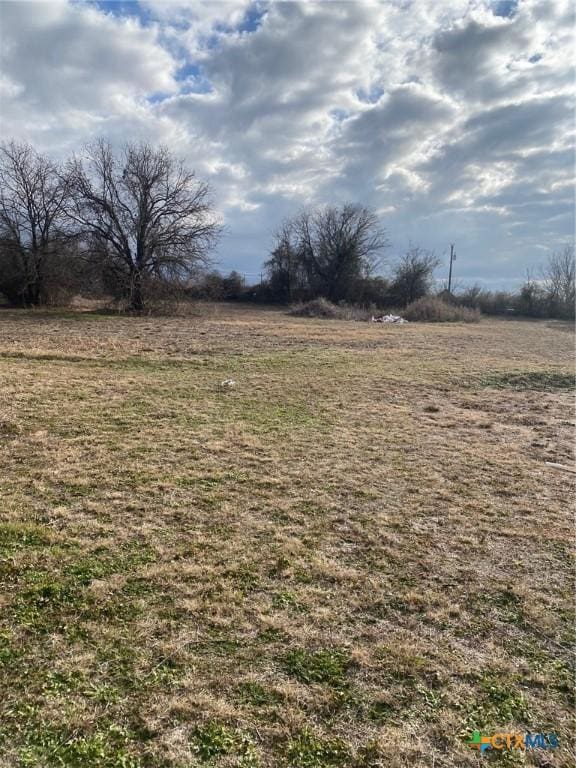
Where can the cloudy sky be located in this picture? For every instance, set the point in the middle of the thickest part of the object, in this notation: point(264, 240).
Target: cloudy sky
point(454, 120)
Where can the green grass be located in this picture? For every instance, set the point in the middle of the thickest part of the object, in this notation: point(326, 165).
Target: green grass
point(310, 751)
point(543, 381)
point(105, 748)
point(327, 666)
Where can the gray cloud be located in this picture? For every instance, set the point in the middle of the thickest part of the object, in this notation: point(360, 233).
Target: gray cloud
point(453, 122)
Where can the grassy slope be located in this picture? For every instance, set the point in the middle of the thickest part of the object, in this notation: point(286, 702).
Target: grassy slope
point(354, 557)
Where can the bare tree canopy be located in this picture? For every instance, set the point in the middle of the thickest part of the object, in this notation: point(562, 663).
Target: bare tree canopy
point(33, 222)
point(147, 216)
point(326, 251)
point(560, 281)
point(413, 274)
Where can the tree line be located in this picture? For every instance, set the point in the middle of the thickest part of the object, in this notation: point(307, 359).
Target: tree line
point(335, 253)
point(135, 222)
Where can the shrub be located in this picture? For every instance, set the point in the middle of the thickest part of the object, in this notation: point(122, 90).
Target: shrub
point(216, 287)
point(317, 308)
point(325, 309)
point(431, 309)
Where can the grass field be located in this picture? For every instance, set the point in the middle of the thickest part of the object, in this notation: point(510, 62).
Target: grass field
point(355, 557)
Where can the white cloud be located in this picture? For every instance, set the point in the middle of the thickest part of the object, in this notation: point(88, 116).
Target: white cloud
point(452, 121)
point(72, 66)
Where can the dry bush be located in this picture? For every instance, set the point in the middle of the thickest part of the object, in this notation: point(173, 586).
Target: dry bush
point(431, 309)
point(323, 308)
point(317, 308)
point(163, 299)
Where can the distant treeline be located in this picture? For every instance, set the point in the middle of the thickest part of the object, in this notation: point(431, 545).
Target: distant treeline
point(536, 298)
point(138, 226)
point(310, 261)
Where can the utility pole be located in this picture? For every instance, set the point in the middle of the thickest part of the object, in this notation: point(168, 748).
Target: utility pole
point(452, 258)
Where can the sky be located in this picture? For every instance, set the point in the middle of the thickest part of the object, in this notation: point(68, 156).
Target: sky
point(453, 120)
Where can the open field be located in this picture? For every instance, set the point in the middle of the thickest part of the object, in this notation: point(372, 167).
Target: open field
point(354, 557)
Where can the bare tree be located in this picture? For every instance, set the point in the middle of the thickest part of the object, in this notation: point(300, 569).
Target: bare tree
point(33, 223)
point(560, 281)
point(148, 217)
point(286, 276)
point(413, 274)
point(327, 251)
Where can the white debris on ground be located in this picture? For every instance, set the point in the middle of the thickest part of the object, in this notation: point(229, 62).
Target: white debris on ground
point(388, 319)
point(227, 383)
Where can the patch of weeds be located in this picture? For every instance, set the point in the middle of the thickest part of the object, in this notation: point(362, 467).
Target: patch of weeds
point(397, 701)
point(115, 609)
point(166, 670)
point(303, 576)
point(270, 418)
point(507, 703)
point(286, 599)
point(8, 429)
point(127, 671)
point(102, 562)
point(251, 692)
point(10, 652)
point(545, 381)
point(412, 604)
point(273, 635)
point(141, 586)
point(403, 666)
point(46, 601)
point(309, 508)
point(85, 570)
point(498, 704)
point(364, 493)
point(327, 666)
point(380, 711)
point(244, 578)
point(70, 490)
point(307, 750)
point(206, 483)
point(62, 683)
point(562, 677)
point(280, 565)
point(118, 661)
point(560, 672)
point(219, 646)
point(509, 606)
point(214, 740)
point(9, 572)
point(16, 536)
point(103, 749)
point(431, 699)
point(368, 756)
point(103, 693)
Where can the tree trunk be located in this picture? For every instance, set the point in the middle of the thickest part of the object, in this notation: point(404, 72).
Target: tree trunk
point(136, 292)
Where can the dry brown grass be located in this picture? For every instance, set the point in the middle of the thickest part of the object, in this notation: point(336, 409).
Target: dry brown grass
point(355, 556)
point(432, 309)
